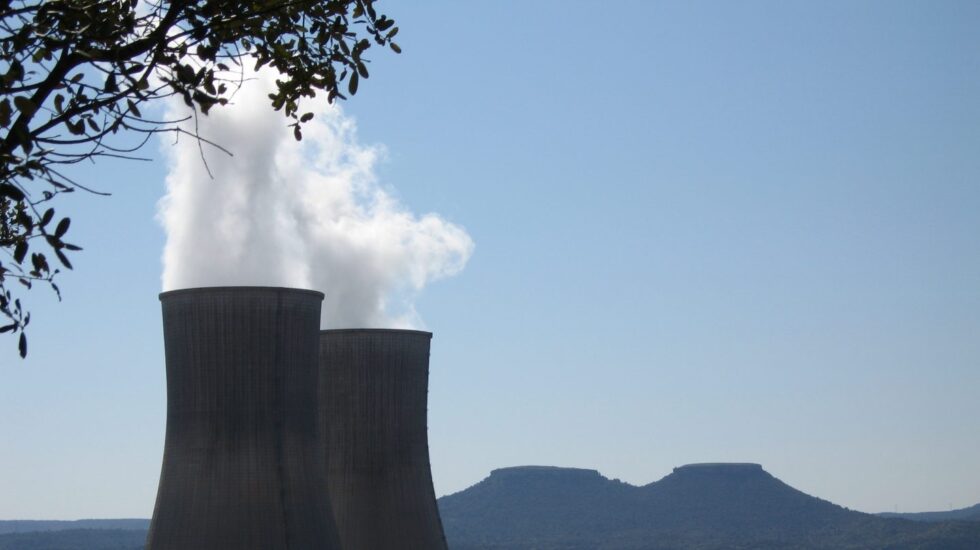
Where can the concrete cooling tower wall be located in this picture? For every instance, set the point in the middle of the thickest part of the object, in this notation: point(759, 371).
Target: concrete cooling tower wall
point(242, 464)
point(373, 407)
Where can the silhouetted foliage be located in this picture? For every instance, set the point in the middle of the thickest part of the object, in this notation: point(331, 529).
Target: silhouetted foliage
point(76, 76)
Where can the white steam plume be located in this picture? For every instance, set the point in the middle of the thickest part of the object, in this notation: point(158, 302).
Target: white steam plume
point(304, 214)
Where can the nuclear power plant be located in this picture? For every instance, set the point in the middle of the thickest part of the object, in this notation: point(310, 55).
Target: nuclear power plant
point(280, 437)
point(373, 405)
point(242, 467)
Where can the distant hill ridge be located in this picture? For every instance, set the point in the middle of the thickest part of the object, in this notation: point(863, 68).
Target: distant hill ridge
point(704, 506)
point(75, 539)
point(34, 525)
point(971, 513)
point(707, 506)
point(722, 467)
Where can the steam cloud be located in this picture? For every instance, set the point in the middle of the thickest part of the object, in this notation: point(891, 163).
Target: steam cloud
point(308, 214)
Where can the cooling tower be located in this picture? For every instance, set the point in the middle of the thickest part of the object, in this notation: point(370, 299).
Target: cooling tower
point(242, 464)
point(373, 394)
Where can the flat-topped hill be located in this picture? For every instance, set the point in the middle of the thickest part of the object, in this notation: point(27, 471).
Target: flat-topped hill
point(721, 468)
point(704, 506)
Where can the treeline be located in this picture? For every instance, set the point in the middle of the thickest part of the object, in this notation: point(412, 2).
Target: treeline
point(75, 539)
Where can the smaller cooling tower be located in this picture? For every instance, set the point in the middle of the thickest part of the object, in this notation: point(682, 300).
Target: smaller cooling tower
point(242, 461)
point(373, 399)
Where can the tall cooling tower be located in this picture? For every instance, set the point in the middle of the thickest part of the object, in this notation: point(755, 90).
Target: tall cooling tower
point(242, 464)
point(373, 399)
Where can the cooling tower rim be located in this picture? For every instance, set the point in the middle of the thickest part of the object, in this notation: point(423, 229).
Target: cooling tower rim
point(239, 290)
point(325, 332)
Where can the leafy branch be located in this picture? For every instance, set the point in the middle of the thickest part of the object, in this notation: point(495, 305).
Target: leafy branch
point(76, 76)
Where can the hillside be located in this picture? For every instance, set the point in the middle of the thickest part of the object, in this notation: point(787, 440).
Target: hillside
point(971, 513)
point(706, 506)
point(537, 505)
point(29, 525)
point(699, 506)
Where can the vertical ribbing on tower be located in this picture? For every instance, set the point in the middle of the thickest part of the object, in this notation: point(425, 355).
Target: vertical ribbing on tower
point(373, 414)
point(242, 464)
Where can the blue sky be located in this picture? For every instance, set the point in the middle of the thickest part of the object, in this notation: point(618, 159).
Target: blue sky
point(705, 231)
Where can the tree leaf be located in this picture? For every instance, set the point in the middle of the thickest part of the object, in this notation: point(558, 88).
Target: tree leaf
point(22, 345)
point(133, 108)
point(24, 105)
point(63, 259)
point(40, 263)
point(62, 227)
point(20, 251)
point(11, 192)
point(26, 143)
point(352, 83)
point(6, 112)
point(77, 127)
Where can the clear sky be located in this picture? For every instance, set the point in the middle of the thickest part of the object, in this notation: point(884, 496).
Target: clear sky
point(705, 231)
